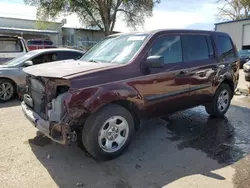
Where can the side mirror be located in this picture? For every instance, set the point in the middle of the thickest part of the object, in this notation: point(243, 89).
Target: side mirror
point(155, 62)
point(28, 63)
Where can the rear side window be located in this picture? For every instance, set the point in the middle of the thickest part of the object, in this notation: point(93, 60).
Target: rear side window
point(168, 47)
point(10, 45)
point(195, 47)
point(225, 47)
point(69, 55)
point(35, 42)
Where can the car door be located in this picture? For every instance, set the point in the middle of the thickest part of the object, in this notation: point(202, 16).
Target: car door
point(198, 53)
point(165, 89)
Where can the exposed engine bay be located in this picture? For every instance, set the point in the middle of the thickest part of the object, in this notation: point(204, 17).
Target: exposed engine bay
point(49, 98)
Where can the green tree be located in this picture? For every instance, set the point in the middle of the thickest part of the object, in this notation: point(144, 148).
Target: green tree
point(101, 14)
point(234, 9)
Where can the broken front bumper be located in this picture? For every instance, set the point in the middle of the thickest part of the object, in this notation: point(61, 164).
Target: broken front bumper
point(56, 132)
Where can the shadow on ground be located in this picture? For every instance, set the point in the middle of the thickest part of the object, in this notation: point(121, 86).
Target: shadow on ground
point(12, 103)
point(183, 144)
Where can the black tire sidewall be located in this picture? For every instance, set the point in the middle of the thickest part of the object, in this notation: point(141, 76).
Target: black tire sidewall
point(14, 89)
point(93, 125)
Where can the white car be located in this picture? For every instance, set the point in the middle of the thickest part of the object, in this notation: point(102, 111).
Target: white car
point(11, 47)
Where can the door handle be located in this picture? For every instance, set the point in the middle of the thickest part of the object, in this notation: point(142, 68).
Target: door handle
point(182, 73)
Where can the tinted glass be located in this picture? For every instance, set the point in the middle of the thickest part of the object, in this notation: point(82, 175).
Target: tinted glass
point(195, 47)
point(38, 59)
point(69, 55)
point(168, 47)
point(74, 55)
point(36, 42)
point(45, 58)
point(225, 47)
point(47, 42)
point(210, 46)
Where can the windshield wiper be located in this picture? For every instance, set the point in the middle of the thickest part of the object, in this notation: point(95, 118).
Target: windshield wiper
point(95, 61)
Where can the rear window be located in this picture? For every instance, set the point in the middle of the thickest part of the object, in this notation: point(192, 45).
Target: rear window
point(225, 47)
point(10, 45)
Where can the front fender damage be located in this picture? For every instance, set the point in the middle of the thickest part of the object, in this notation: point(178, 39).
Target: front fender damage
point(64, 120)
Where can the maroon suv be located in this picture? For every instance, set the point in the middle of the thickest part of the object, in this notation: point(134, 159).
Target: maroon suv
point(102, 98)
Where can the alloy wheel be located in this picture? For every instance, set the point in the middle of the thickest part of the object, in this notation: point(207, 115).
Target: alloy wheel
point(6, 91)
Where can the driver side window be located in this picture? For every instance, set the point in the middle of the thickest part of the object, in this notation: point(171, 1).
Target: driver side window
point(44, 58)
point(37, 60)
point(168, 47)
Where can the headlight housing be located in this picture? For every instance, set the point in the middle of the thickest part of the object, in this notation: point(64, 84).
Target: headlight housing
point(246, 66)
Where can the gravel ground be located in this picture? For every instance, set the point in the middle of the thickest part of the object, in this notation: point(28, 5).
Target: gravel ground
point(186, 149)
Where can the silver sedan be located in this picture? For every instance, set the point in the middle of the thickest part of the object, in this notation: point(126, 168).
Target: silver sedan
point(12, 77)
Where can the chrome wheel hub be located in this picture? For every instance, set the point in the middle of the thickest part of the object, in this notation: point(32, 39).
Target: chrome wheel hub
point(113, 134)
point(223, 101)
point(6, 91)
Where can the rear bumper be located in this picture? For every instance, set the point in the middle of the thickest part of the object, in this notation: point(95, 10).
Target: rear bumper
point(56, 132)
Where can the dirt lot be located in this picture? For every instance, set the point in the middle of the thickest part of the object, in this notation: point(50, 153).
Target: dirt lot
point(187, 149)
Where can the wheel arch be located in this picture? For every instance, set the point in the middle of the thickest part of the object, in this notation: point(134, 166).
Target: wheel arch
point(6, 78)
point(132, 108)
point(230, 83)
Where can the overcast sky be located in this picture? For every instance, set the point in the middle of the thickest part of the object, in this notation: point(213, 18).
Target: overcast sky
point(193, 14)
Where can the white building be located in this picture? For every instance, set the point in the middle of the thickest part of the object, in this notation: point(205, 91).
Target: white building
point(239, 30)
point(28, 29)
point(60, 35)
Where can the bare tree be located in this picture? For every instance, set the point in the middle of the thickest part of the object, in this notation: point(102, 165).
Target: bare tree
point(234, 9)
point(101, 14)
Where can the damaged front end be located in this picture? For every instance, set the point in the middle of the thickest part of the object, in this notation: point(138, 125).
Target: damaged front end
point(47, 105)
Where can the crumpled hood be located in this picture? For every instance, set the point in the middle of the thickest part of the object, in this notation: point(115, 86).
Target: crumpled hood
point(63, 69)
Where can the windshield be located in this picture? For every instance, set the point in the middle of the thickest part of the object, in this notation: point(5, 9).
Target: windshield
point(117, 49)
point(244, 52)
point(20, 59)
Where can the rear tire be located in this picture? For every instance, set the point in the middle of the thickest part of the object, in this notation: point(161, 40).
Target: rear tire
point(108, 132)
point(7, 90)
point(221, 101)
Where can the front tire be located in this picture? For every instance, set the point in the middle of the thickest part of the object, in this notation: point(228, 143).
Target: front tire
point(221, 101)
point(7, 90)
point(108, 132)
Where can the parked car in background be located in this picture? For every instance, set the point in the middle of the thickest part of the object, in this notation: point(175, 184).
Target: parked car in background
point(101, 98)
point(11, 47)
point(244, 57)
point(35, 44)
point(12, 77)
point(246, 69)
